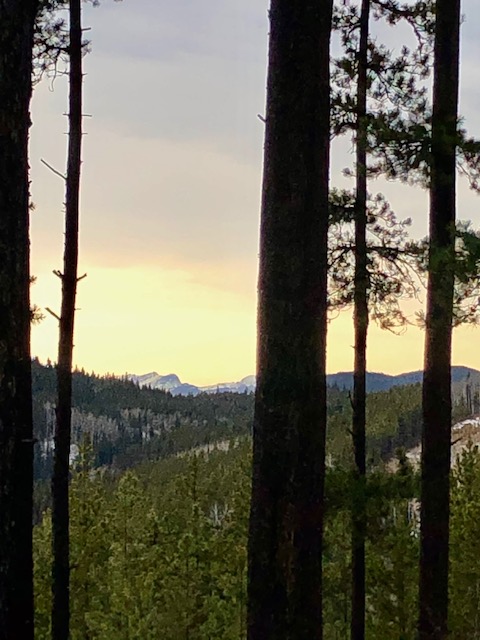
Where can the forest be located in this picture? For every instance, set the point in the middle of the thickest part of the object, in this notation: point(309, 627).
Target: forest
point(128, 425)
point(304, 510)
point(160, 550)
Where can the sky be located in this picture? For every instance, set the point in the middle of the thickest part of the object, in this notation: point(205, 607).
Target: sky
point(170, 203)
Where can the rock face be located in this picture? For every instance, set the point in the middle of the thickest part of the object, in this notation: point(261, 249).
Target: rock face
point(464, 434)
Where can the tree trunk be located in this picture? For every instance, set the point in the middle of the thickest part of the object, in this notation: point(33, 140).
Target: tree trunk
point(60, 478)
point(437, 406)
point(286, 521)
point(16, 437)
point(361, 328)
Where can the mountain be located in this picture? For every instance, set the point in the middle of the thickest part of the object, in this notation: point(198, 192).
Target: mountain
point(342, 380)
point(384, 382)
point(246, 384)
point(122, 423)
point(176, 387)
point(156, 381)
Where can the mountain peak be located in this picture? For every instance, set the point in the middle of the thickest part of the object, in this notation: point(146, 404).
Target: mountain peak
point(156, 381)
point(170, 377)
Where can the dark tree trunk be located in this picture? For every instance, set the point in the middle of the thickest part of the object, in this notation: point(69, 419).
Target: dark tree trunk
point(16, 438)
point(437, 407)
point(361, 329)
point(60, 479)
point(286, 522)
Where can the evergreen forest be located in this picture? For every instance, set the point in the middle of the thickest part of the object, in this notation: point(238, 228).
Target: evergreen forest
point(160, 549)
point(159, 511)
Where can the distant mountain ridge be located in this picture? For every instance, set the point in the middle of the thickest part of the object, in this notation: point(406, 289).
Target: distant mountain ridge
point(176, 387)
point(384, 381)
point(342, 379)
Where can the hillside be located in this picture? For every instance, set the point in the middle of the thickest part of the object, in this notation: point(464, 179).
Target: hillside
point(138, 536)
point(127, 424)
point(465, 435)
point(160, 551)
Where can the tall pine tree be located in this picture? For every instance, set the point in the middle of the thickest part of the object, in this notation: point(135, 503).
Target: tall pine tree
point(360, 319)
point(437, 405)
point(17, 19)
point(384, 90)
point(286, 523)
point(60, 478)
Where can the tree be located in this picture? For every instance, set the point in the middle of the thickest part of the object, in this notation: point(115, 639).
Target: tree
point(360, 321)
point(286, 522)
point(69, 278)
point(16, 438)
point(382, 79)
point(437, 405)
point(395, 264)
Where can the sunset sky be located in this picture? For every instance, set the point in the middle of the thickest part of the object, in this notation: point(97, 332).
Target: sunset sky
point(171, 194)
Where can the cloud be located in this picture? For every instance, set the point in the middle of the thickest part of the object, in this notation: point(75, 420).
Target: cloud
point(161, 29)
point(180, 71)
point(171, 184)
point(147, 202)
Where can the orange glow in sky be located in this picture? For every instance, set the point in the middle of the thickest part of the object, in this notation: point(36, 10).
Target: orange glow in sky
point(171, 183)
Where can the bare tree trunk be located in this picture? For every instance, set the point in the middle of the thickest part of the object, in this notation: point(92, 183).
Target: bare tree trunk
point(16, 437)
point(437, 406)
point(286, 521)
point(361, 328)
point(60, 478)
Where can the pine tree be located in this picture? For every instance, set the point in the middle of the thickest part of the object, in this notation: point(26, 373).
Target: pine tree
point(285, 539)
point(437, 406)
point(60, 477)
point(16, 439)
point(381, 79)
point(360, 321)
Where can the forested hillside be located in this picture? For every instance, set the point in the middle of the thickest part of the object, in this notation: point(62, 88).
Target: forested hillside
point(159, 551)
point(128, 424)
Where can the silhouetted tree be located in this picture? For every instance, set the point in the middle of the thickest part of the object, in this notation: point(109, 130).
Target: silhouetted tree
point(360, 322)
point(16, 439)
point(69, 278)
point(437, 404)
point(381, 78)
point(286, 522)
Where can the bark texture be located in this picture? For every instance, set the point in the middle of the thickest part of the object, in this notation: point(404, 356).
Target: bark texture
point(437, 408)
point(16, 438)
point(286, 523)
point(60, 478)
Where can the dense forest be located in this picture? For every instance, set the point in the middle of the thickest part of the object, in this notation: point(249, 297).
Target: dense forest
point(160, 550)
